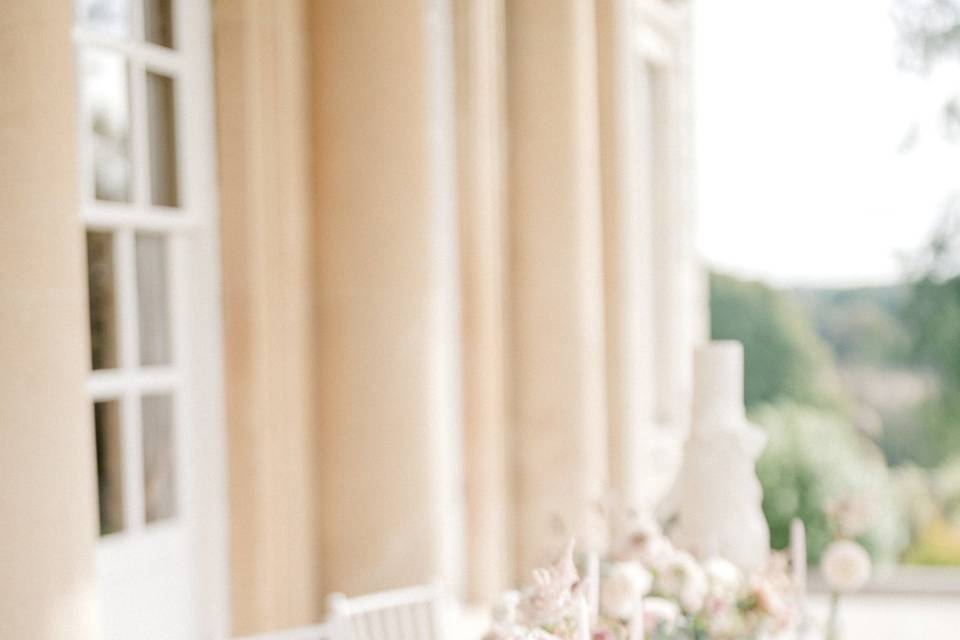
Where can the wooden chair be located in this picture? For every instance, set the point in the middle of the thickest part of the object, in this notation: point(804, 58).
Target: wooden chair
point(413, 613)
point(315, 632)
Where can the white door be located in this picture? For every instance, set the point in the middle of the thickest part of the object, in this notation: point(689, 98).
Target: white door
point(148, 203)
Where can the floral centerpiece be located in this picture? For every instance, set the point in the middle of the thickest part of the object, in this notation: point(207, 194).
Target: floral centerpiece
point(644, 587)
point(684, 597)
point(553, 606)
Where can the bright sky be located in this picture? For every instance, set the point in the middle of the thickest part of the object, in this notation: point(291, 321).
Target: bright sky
point(801, 113)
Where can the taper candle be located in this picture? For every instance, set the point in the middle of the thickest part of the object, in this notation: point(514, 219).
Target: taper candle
point(593, 583)
point(583, 619)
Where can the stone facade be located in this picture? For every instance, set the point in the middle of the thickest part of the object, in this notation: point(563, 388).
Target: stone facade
point(459, 292)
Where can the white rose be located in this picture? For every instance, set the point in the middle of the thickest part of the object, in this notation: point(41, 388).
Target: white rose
point(723, 576)
point(694, 594)
point(505, 608)
point(658, 553)
point(659, 612)
point(645, 542)
point(623, 588)
point(845, 566)
point(683, 579)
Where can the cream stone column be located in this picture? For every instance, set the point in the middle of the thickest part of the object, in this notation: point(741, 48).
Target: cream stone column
point(480, 119)
point(387, 289)
point(555, 280)
point(264, 123)
point(628, 269)
point(47, 470)
point(662, 79)
point(676, 287)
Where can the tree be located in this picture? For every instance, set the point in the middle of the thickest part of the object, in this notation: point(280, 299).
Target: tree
point(929, 33)
point(933, 318)
point(784, 359)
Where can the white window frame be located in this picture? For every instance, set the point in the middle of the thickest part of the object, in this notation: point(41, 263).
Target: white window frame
point(196, 374)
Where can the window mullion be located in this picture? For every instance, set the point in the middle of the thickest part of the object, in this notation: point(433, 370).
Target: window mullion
point(133, 463)
point(139, 127)
point(129, 362)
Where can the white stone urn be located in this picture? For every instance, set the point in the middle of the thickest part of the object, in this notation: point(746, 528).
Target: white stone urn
point(717, 496)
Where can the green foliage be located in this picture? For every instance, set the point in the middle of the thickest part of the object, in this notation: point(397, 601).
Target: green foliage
point(783, 357)
point(929, 31)
point(813, 458)
point(860, 325)
point(932, 316)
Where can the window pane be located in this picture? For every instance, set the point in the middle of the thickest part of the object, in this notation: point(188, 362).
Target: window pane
point(106, 420)
point(159, 458)
point(101, 300)
point(105, 92)
point(158, 20)
point(108, 16)
point(163, 141)
point(153, 307)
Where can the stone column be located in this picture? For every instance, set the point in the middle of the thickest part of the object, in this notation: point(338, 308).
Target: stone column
point(628, 269)
point(676, 287)
point(47, 462)
point(556, 279)
point(665, 121)
point(480, 119)
point(264, 122)
point(387, 295)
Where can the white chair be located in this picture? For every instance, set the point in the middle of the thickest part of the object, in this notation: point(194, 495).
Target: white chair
point(315, 632)
point(413, 613)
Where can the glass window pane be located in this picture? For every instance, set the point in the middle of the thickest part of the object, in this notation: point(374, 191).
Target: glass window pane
point(106, 420)
point(159, 458)
point(153, 305)
point(107, 16)
point(158, 21)
point(101, 295)
point(103, 79)
point(164, 190)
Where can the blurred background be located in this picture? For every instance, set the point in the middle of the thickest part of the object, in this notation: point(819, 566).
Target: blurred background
point(830, 222)
point(300, 297)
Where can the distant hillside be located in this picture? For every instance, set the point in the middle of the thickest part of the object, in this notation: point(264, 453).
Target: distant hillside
point(862, 326)
point(845, 350)
point(865, 330)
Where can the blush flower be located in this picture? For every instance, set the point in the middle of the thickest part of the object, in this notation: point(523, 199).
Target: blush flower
point(549, 599)
point(623, 588)
point(846, 566)
point(682, 579)
point(659, 614)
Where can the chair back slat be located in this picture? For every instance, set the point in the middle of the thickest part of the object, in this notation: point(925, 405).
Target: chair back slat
point(414, 613)
point(406, 623)
point(424, 628)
